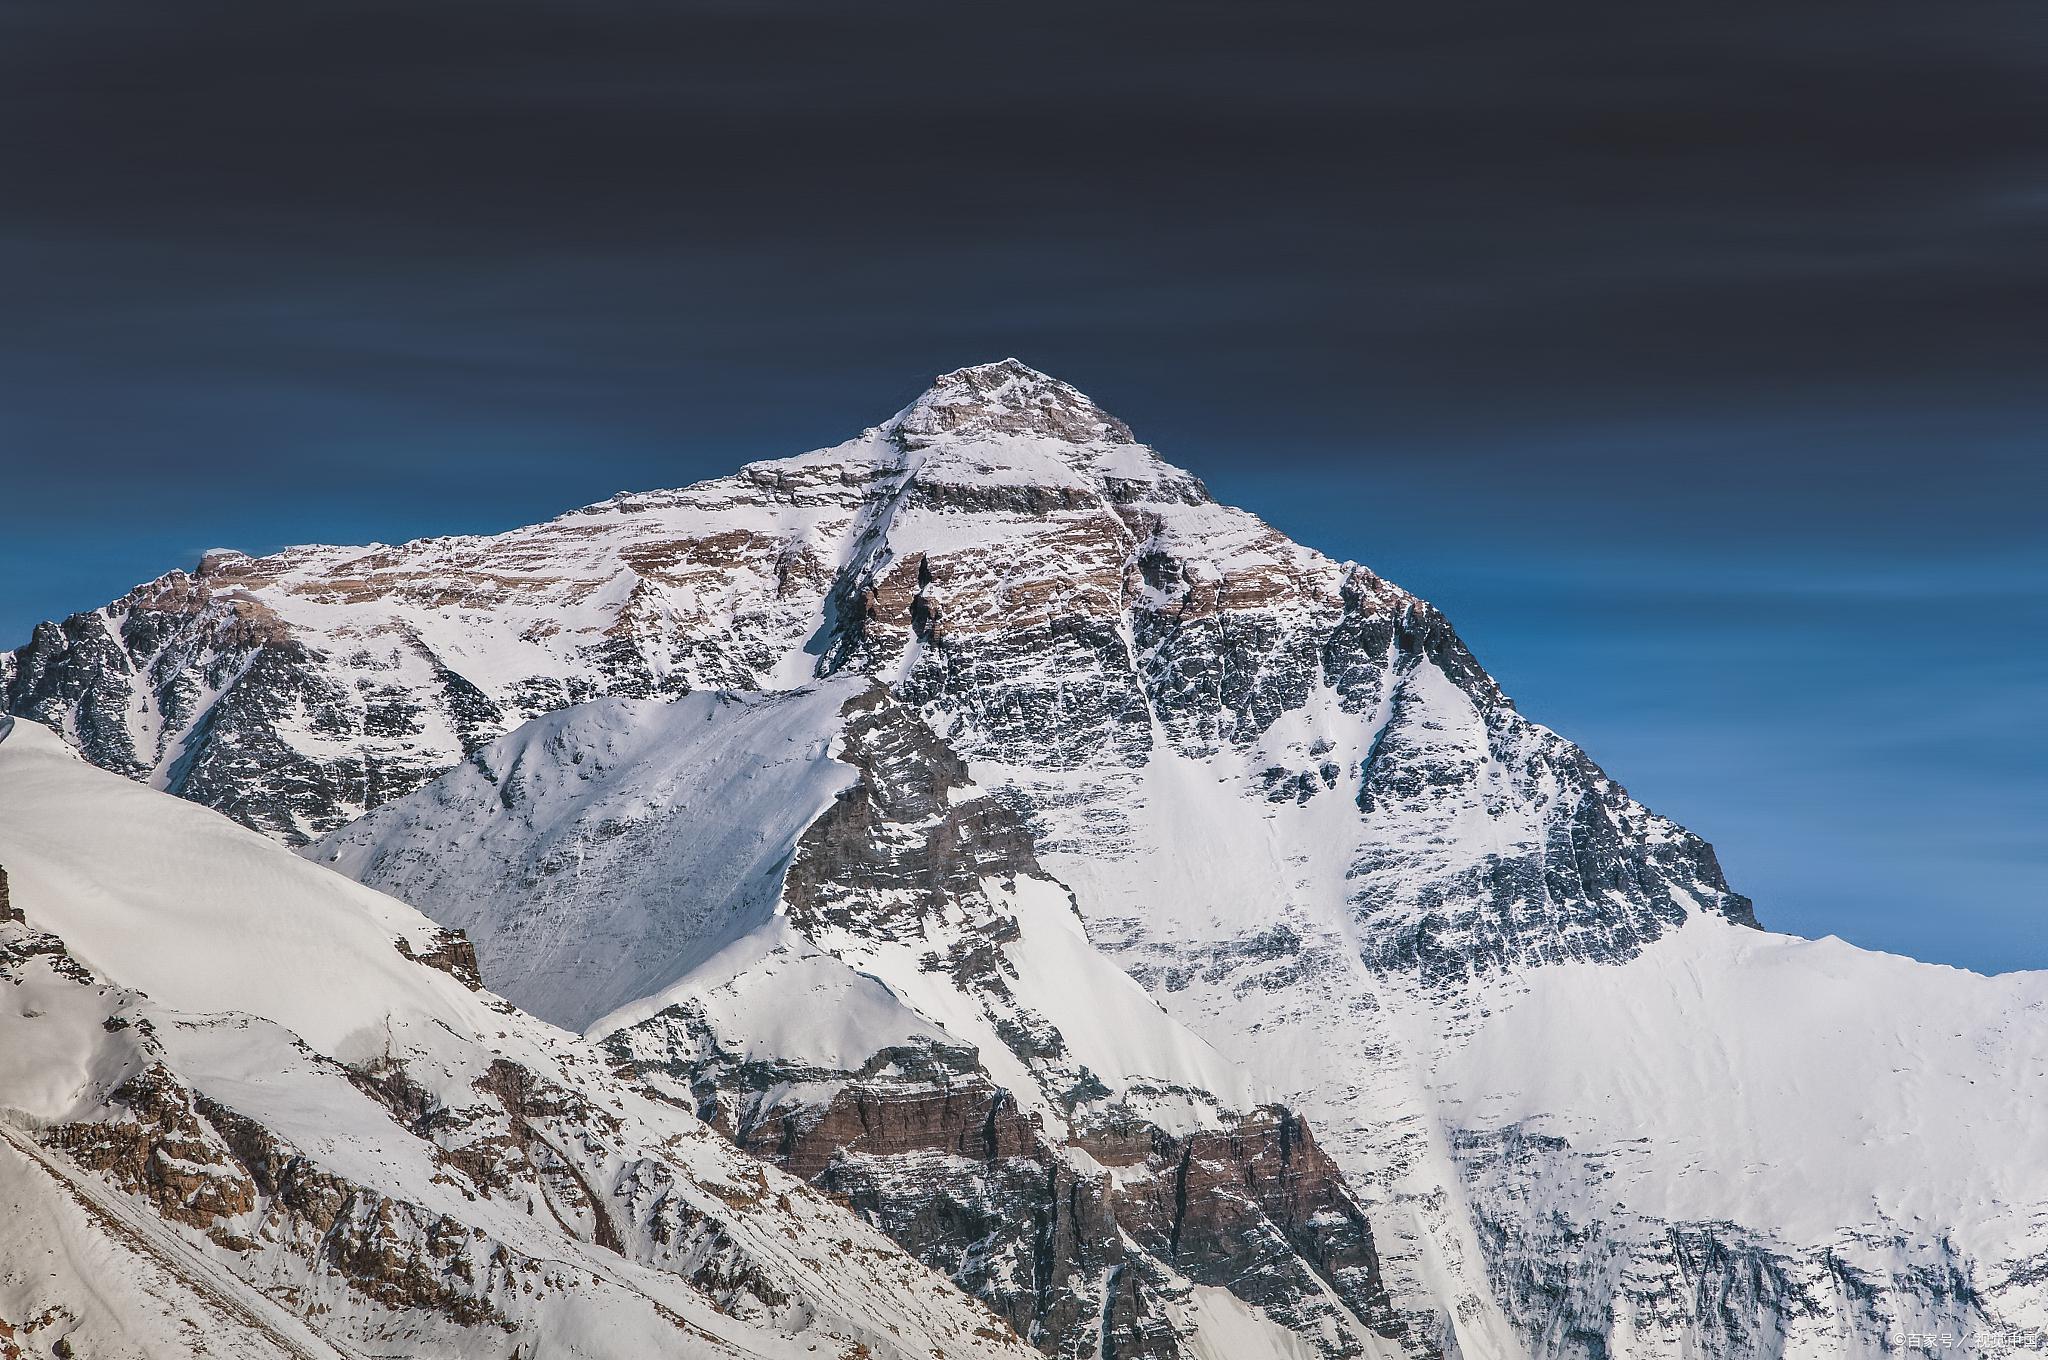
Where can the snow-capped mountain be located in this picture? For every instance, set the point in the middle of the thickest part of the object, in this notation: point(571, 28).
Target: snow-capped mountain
point(990, 713)
point(250, 1108)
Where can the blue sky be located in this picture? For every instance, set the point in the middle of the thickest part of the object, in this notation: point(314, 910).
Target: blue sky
point(1690, 359)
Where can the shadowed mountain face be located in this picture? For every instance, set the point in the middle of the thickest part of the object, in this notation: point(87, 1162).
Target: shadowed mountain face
point(1165, 931)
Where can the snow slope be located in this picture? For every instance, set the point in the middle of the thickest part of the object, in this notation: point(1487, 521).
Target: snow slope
point(570, 797)
point(1724, 1142)
point(617, 854)
point(79, 1265)
point(1864, 1128)
point(221, 1075)
point(1925, 1083)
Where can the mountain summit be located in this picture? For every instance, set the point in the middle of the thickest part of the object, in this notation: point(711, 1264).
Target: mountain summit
point(1168, 933)
point(1006, 398)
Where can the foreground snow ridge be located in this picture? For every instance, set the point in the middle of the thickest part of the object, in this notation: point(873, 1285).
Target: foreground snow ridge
point(257, 1124)
point(1120, 927)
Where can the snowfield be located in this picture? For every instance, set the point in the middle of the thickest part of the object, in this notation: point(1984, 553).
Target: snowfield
point(571, 796)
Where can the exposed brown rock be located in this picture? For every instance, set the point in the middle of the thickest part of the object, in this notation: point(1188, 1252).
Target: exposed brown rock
point(972, 1119)
point(452, 953)
point(1007, 398)
point(974, 1188)
point(1245, 1207)
point(163, 1152)
point(948, 1165)
point(392, 1252)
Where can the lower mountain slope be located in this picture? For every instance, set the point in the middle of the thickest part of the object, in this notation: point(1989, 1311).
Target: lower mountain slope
point(248, 1107)
point(1788, 1146)
point(1519, 1008)
point(1708, 1141)
point(853, 962)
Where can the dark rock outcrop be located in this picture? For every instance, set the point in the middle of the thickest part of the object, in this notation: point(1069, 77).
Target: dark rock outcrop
point(1087, 1251)
point(452, 953)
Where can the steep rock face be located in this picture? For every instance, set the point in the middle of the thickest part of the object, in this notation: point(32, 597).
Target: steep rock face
point(295, 691)
point(899, 835)
point(265, 1162)
point(1098, 1251)
point(1249, 1205)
